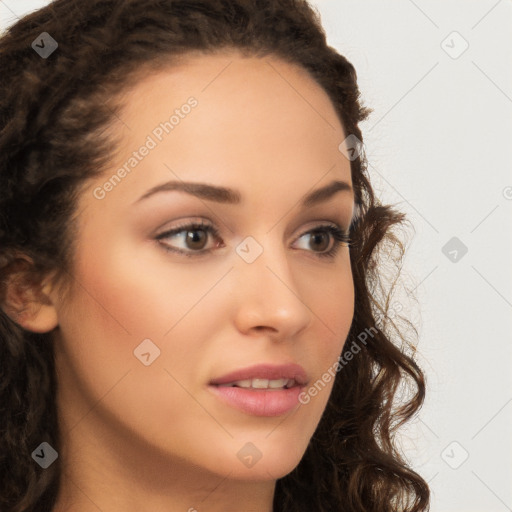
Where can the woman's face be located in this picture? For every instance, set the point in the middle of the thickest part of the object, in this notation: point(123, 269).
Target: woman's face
point(154, 318)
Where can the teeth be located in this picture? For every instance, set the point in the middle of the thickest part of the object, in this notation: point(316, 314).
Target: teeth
point(262, 383)
point(243, 383)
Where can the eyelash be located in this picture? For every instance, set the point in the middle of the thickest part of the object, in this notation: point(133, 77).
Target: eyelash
point(339, 236)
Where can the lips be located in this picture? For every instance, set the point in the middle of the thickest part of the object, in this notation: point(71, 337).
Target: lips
point(264, 376)
point(261, 390)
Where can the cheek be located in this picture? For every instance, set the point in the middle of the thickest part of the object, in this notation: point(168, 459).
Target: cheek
point(331, 302)
point(333, 307)
point(115, 304)
point(122, 297)
point(138, 294)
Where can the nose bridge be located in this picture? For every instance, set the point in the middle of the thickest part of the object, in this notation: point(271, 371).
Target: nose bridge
point(268, 294)
point(266, 260)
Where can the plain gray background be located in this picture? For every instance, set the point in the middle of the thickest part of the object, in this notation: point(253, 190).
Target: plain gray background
point(438, 76)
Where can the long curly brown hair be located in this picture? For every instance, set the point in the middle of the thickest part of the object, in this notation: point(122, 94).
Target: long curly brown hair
point(53, 117)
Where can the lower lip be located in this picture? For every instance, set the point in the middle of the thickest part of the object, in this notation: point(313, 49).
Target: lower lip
point(259, 402)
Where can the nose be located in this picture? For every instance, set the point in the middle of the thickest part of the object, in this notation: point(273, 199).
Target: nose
point(267, 297)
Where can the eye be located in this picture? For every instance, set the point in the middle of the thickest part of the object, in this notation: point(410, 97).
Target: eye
point(193, 237)
point(325, 240)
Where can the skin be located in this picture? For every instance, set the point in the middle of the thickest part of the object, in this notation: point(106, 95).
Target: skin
point(154, 437)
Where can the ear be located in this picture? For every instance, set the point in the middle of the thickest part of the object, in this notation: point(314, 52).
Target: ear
point(26, 297)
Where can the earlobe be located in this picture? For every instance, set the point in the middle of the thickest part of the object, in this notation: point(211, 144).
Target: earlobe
point(27, 302)
point(36, 318)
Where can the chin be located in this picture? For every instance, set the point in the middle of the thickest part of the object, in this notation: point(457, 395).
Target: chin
point(259, 460)
point(262, 471)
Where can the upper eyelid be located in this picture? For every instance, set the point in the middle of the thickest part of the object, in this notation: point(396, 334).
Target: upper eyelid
point(209, 226)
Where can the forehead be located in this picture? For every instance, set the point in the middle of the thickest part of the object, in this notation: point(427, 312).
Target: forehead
point(253, 119)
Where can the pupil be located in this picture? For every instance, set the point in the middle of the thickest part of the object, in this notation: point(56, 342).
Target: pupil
point(196, 240)
point(318, 237)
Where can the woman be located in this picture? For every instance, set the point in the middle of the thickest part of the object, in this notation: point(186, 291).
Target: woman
point(171, 337)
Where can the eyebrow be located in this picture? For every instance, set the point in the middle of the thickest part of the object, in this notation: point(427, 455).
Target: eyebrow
point(230, 196)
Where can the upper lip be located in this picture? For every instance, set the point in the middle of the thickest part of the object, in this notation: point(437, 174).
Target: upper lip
point(265, 371)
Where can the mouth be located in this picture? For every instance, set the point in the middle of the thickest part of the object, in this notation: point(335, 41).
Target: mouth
point(264, 376)
point(261, 384)
point(261, 390)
